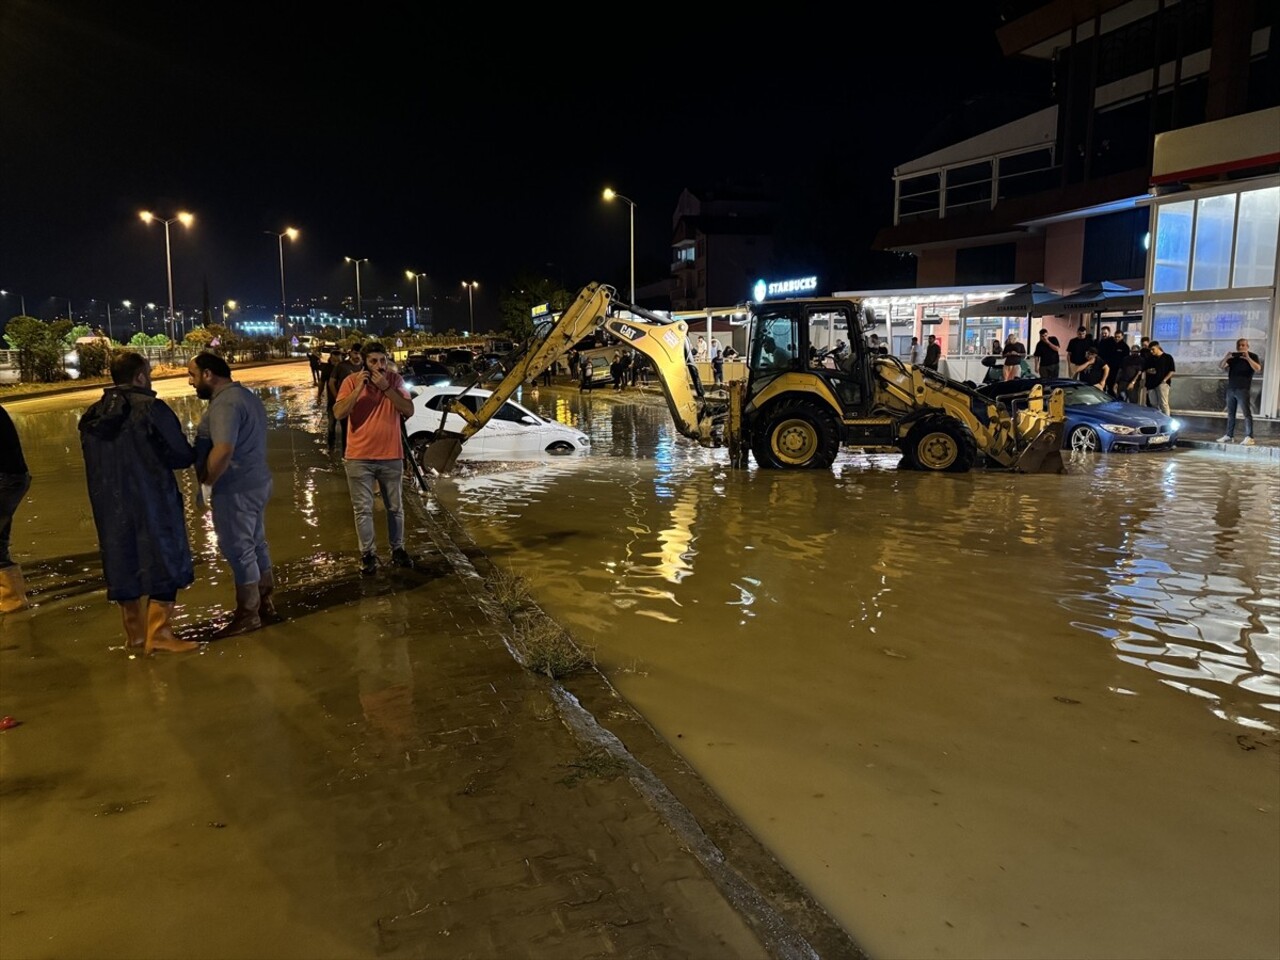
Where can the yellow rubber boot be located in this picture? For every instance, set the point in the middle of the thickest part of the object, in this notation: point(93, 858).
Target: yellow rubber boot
point(160, 630)
point(13, 589)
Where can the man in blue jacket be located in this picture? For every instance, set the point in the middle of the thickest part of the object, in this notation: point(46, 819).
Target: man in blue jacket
point(132, 443)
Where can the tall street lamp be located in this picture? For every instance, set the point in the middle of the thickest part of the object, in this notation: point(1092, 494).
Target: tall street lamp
point(128, 305)
point(229, 305)
point(611, 194)
point(186, 220)
point(417, 290)
point(292, 234)
point(21, 299)
point(470, 285)
point(359, 308)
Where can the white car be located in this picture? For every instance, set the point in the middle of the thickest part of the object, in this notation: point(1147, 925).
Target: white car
point(514, 432)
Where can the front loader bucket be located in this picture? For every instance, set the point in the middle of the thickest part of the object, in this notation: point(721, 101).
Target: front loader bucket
point(1044, 453)
point(440, 455)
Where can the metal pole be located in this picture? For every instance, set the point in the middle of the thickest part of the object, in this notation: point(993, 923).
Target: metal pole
point(110, 334)
point(168, 268)
point(284, 303)
point(633, 252)
point(359, 308)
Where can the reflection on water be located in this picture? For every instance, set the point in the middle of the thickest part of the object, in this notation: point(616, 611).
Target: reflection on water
point(877, 667)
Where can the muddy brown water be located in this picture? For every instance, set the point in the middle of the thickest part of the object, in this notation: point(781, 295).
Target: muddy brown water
point(979, 715)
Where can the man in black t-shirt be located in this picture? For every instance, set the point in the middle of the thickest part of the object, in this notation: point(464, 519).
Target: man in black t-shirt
point(932, 353)
point(1046, 356)
point(1240, 365)
point(1077, 349)
point(1160, 369)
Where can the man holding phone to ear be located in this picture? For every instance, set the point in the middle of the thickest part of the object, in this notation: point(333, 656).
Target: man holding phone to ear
point(1240, 365)
point(374, 404)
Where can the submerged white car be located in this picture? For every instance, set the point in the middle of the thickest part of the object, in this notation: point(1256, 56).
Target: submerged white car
point(513, 433)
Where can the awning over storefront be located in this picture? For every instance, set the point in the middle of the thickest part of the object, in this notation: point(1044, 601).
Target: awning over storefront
point(1021, 301)
point(1093, 298)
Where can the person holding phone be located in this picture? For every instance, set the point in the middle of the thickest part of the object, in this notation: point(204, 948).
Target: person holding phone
point(374, 403)
point(1240, 365)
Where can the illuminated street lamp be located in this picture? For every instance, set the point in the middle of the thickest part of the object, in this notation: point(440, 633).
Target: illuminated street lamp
point(417, 290)
point(359, 309)
point(611, 194)
point(186, 220)
point(292, 234)
point(128, 305)
point(470, 285)
point(21, 299)
point(229, 305)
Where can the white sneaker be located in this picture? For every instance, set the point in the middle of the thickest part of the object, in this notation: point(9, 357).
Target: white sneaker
point(1225, 438)
point(1247, 442)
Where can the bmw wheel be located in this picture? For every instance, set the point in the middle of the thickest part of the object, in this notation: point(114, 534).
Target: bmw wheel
point(560, 447)
point(1084, 440)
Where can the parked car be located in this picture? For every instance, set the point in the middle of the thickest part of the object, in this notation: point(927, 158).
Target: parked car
point(1096, 422)
point(418, 371)
point(514, 432)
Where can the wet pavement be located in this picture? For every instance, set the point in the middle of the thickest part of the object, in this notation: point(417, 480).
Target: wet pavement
point(964, 716)
point(375, 776)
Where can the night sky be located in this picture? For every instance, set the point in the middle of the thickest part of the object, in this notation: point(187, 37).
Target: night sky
point(465, 148)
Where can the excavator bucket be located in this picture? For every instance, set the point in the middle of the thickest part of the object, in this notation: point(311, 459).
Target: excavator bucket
point(1044, 453)
point(440, 455)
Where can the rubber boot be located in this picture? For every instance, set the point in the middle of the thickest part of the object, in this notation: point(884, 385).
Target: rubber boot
point(13, 589)
point(160, 630)
point(246, 617)
point(134, 615)
point(266, 607)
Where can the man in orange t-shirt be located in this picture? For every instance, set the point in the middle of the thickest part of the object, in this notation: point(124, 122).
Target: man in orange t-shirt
point(374, 403)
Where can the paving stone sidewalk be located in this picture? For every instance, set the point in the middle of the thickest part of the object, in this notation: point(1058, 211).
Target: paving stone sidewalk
point(553, 851)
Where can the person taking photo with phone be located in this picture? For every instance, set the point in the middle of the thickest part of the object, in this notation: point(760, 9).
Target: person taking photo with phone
point(1240, 365)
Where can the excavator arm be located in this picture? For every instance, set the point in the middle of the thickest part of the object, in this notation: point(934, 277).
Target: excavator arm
point(663, 341)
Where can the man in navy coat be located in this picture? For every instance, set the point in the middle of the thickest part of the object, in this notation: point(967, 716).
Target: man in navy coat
point(132, 443)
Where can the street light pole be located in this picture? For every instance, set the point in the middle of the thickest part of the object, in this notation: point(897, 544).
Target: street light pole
point(292, 234)
point(359, 308)
point(186, 220)
point(470, 285)
point(417, 291)
point(611, 194)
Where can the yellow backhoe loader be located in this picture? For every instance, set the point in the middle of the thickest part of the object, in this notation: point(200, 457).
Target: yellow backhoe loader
point(790, 411)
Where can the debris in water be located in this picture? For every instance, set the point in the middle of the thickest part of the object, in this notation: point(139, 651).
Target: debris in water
point(8, 723)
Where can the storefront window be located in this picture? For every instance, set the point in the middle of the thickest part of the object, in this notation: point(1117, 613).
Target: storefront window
point(1215, 222)
point(1197, 336)
point(1173, 247)
point(1256, 238)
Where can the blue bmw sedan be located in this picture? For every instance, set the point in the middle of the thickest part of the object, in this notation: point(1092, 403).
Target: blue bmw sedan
point(1096, 422)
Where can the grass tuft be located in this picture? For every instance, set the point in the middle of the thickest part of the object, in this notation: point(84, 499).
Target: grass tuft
point(597, 764)
point(510, 590)
point(549, 648)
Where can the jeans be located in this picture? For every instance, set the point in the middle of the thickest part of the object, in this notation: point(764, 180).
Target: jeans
point(13, 487)
point(1158, 397)
point(1239, 397)
point(389, 476)
point(239, 520)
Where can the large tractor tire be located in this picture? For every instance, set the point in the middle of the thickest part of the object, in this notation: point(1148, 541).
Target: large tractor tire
point(940, 444)
point(796, 435)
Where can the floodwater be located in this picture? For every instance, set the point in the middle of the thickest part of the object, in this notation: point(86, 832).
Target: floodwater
point(978, 715)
